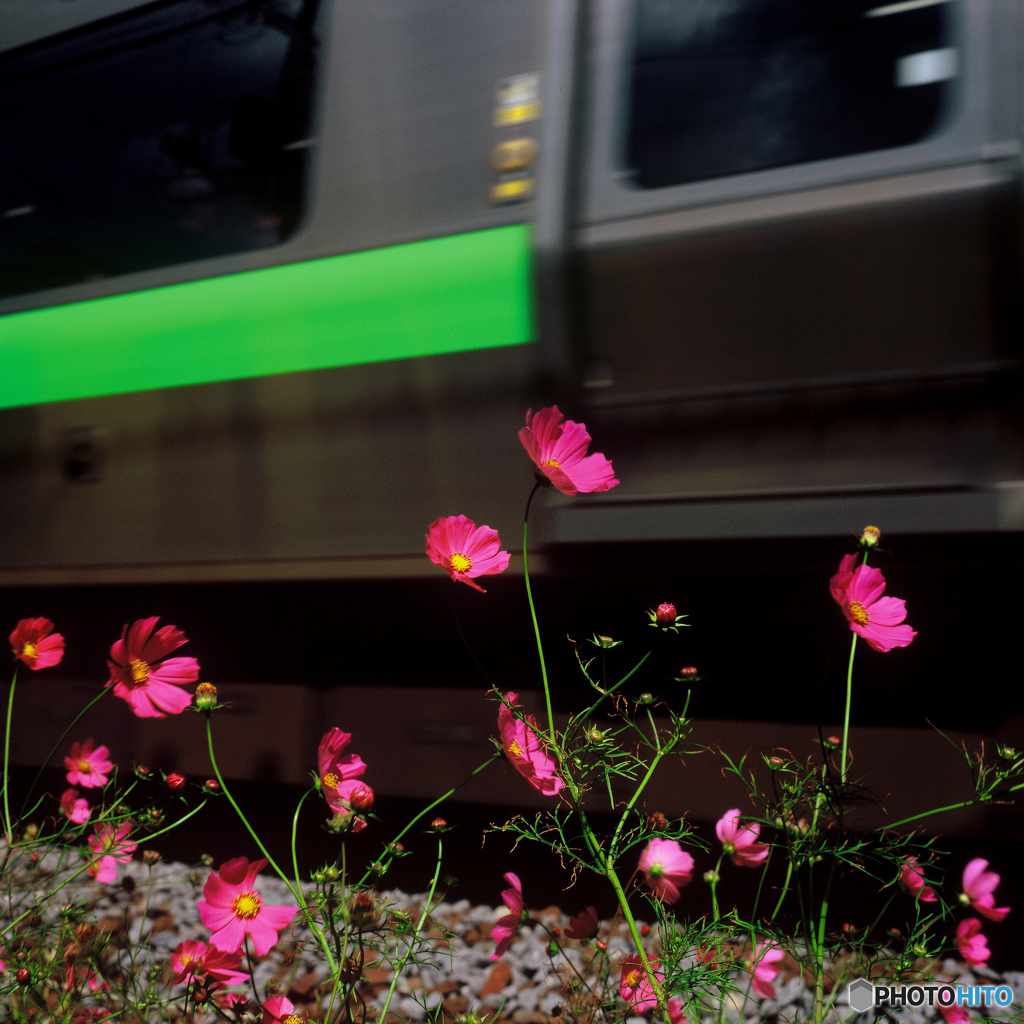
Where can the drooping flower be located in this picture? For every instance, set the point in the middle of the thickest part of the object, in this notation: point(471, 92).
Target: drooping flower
point(339, 777)
point(764, 971)
point(88, 765)
point(583, 926)
point(505, 928)
point(879, 620)
point(912, 880)
point(635, 988)
point(152, 690)
point(559, 451)
point(233, 908)
point(465, 550)
point(979, 890)
point(73, 807)
point(972, 944)
point(113, 847)
point(740, 841)
point(194, 959)
point(666, 867)
point(523, 748)
point(35, 643)
point(280, 1010)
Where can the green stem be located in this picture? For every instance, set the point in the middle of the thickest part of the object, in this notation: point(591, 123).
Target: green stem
point(295, 826)
point(533, 616)
point(714, 889)
point(412, 942)
point(636, 796)
point(846, 718)
point(8, 829)
point(950, 807)
point(819, 953)
point(58, 745)
point(785, 890)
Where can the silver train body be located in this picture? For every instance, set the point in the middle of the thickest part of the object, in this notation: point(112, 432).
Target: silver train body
point(792, 313)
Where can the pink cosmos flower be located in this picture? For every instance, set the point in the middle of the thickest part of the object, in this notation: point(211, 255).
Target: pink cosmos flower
point(151, 689)
point(583, 926)
point(740, 841)
point(465, 550)
point(231, 1000)
point(666, 867)
point(35, 643)
point(912, 880)
point(73, 807)
point(675, 1012)
point(559, 451)
point(88, 765)
point(233, 909)
point(972, 944)
point(113, 847)
point(523, 748)
point(194, 959)
point(766, 955)
point(339, 777)
point(505, 928)
point(280, 1010)
point(979, 890)
point(859, 593)
point(635, 988)
point(953, 1014)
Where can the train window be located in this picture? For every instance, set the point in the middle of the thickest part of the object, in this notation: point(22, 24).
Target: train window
point(173, 132)
point(722, 87)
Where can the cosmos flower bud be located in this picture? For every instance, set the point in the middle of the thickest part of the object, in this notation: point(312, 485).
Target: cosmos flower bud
point(331, 873)
point(31, 831)
point(151, 857)
point(175, 780)
point(711, 877)
point(665, 614)
point(206, 696)
point(212, 785)
point(645, 930)
point(833, 741)
point(361, 797)
point(646, 698)
point(776, 762)
point(23, 975)
point(687, 671)
point(869, 538)
point(439, 824)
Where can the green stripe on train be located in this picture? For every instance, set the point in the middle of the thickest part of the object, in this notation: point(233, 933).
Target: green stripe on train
point(449, 294)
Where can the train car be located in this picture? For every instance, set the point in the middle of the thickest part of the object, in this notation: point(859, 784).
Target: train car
point(276, 276)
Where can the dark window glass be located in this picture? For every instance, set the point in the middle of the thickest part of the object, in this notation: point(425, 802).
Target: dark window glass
point(175, 132)
point(725, 87)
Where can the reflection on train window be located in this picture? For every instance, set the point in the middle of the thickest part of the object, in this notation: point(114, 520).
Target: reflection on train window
point(175, 132)
point(722, 87)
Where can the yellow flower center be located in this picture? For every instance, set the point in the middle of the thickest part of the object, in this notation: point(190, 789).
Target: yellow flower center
point(858, 613)
point(513, 748)
point(185, 959)
point(460, 563)
point(552, 463)
point(632, 978)
point(247, 905)
point(139, 670)
point(29, 650)
point(292, 1018)
point(206, 690)
point(84, 766)
point(330, 779)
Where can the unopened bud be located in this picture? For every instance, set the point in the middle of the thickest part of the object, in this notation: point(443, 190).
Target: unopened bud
point(776, 762)
point(919, 950)
point(439, 824)
point(143, 771)
point(155, 815)
point(645, 930)
point(200, 995)
point(206, 696)
point(212, 785)
point(602, 945)
point(869, 538)
point(711, 877)
point(646, 698)
point(833, 741)
point(595, 735)
point(34, 857)
point(23, 976)
point(331, 873)
point(605, 641)
point(151, 857)
point(689, 670)
point(31, 831)
point(206, 860)
point(665, 615)
point(361, 797)
point(175, 780)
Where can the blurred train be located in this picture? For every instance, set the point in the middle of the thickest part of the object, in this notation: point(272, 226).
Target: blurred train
point(279, 278)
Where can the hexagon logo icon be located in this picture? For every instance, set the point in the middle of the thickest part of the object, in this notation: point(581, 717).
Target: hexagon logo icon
point(861, 995)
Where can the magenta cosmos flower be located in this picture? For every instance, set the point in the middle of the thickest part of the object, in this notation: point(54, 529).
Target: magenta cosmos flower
point(465, 550)
point(583, 926)
point(635, 988)
point(953, 1014)
point(74, 807)
point(280, 1010)
point(979, 890)
point(233, 909)
point(113, 847)
point(764, 971)
point(559, 451)
point(972, 944)
point(666, 867)
point(88, 765)
point(194, 959)
point(505, 928)
point(740, 841)
point(879, 620)
point(151, 689)
point(523, 748)
point(35, 643)
point(912, 880)
point(339, 777)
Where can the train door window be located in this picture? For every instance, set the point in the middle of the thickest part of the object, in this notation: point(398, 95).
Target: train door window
point(725, 87)
point(172, 132)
